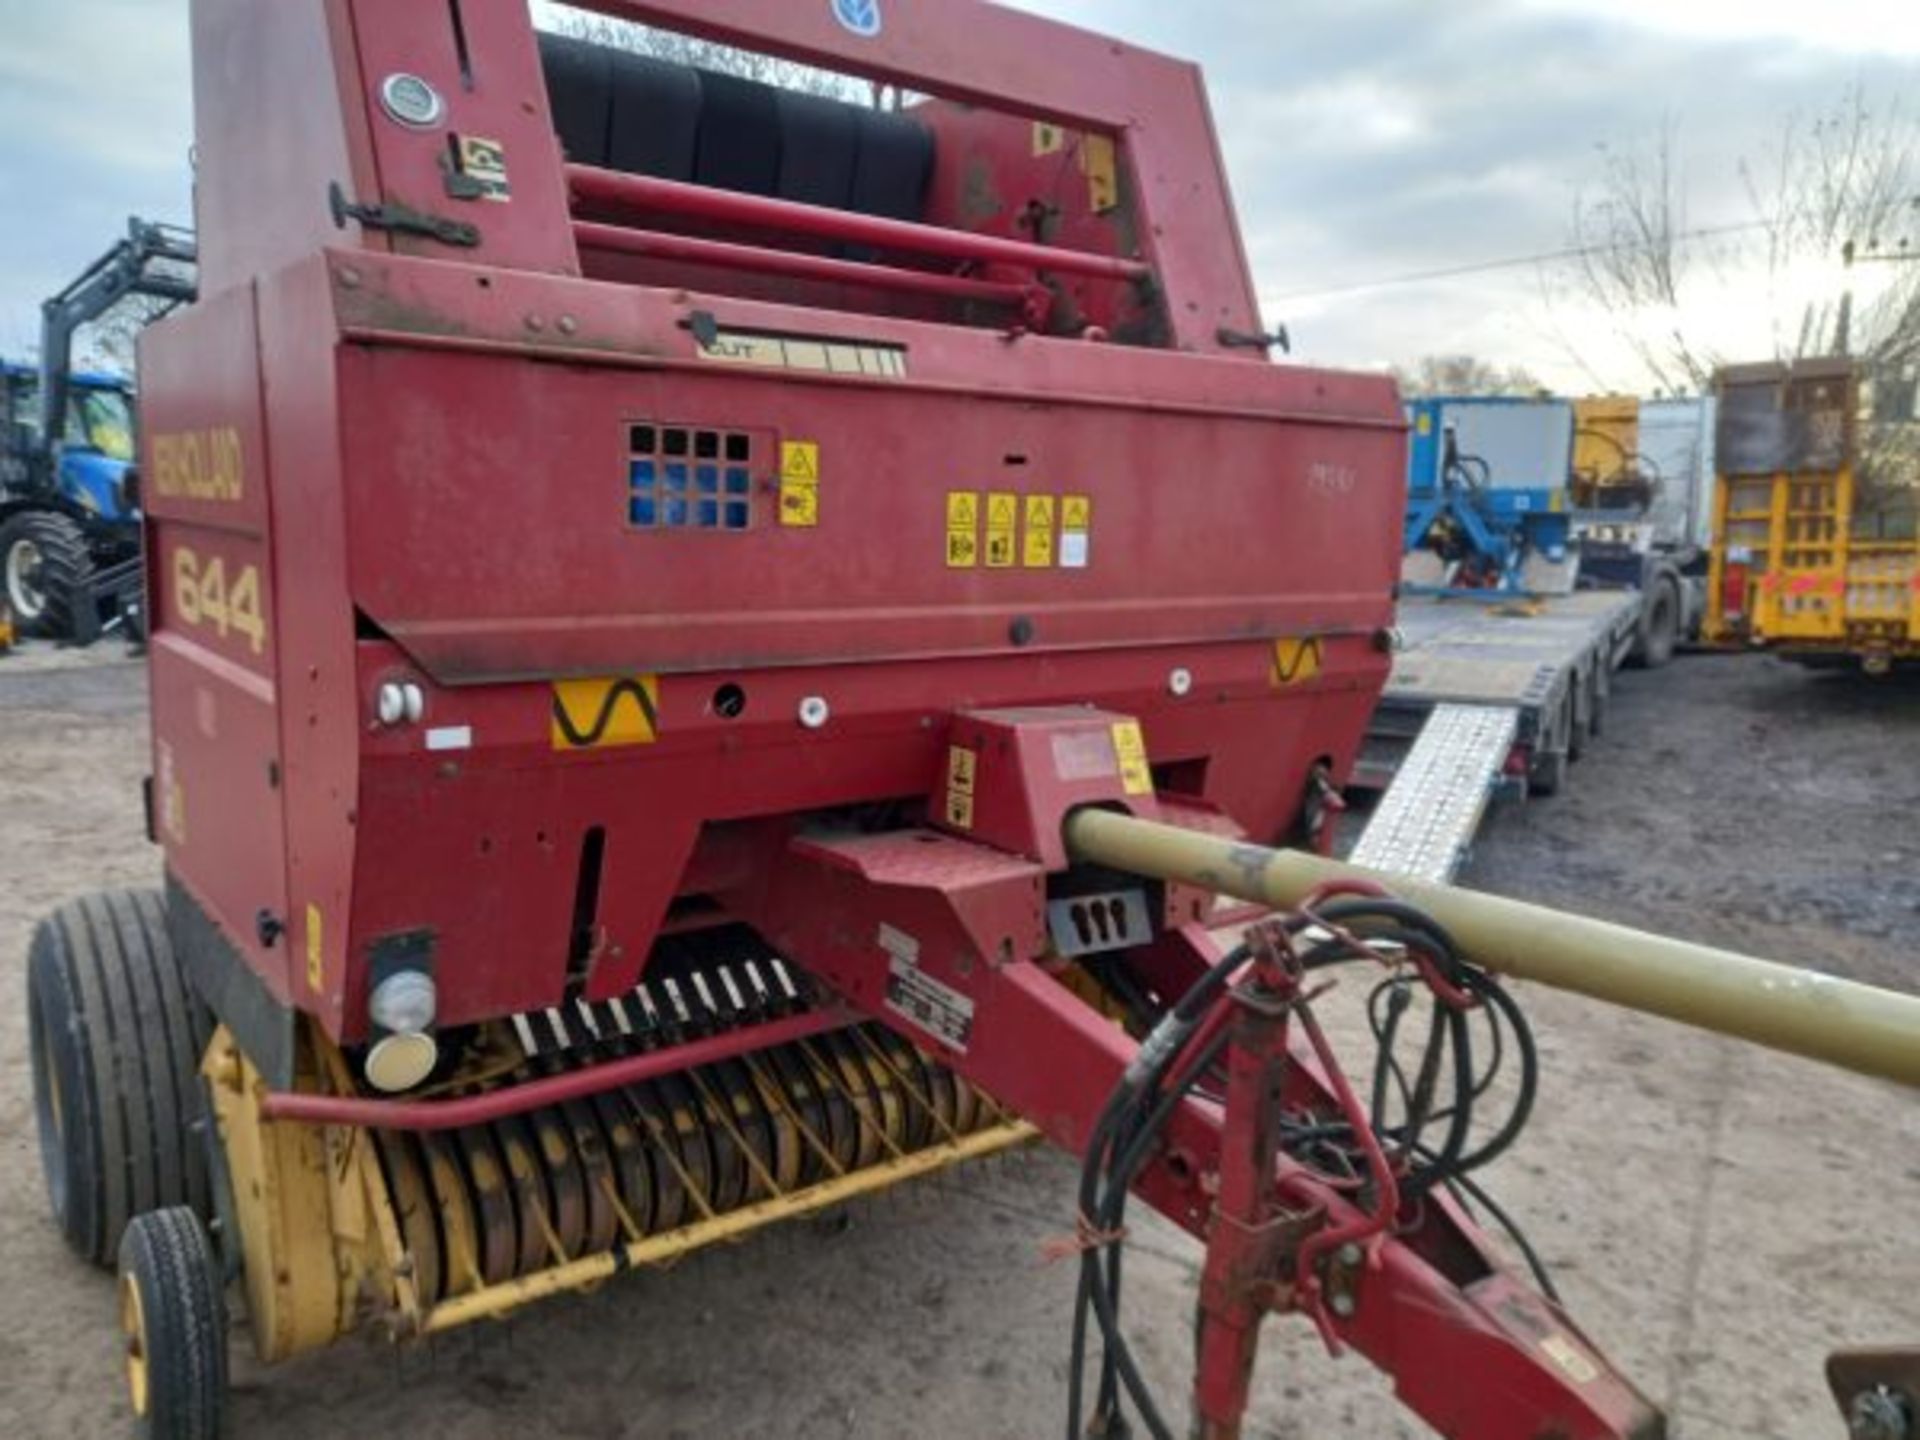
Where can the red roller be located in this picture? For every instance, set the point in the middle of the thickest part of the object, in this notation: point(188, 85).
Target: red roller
point(653, 243)
point(645, 192)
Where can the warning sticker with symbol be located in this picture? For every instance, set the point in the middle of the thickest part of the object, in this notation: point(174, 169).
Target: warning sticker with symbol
point(1076, 531)
point(963, 529)
point(800, 460)
point(799, 482)
point(1037, 552)
point(799, 504)
point(962, 765)
point(1131, 748)
point(1003, 518)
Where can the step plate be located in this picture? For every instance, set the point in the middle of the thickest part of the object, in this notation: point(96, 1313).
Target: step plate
point(1424, 823)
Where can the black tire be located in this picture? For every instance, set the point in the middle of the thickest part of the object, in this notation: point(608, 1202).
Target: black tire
point(1659, 625)
point(115, 1036)
point(173, 1313)
point(44, 567)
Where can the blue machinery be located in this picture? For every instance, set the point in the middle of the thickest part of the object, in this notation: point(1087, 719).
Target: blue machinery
point(1487, 508)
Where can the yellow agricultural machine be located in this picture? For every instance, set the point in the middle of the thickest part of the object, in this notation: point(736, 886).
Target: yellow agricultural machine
point(1800, 564)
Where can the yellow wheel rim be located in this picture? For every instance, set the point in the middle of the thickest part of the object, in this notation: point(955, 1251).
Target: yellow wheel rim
point(133, 1324)
point(55, 1104)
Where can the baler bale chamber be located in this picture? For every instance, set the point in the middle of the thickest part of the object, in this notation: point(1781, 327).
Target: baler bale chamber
point(645, 570)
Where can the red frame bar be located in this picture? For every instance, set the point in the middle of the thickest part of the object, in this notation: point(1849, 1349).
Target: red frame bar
point(307, 1108)
point(590, 235)
point(647, 192)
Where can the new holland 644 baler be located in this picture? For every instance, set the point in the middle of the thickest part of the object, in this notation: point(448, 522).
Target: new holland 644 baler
point(716, 663)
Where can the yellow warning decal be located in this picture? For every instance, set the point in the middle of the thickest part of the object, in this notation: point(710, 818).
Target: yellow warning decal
point(314, 949)
point(799, 482)
point(1099, 163)
point(1003, 520)
point(962, 766)
point(1076, 531)
point(1037, 551)
point(963, 528)
point(604, 713)
point(1131, 749)
point(1296, 659)
point(800, 460)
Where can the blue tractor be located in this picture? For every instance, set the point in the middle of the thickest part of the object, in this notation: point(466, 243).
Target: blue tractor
point(69, 503)
point(1487, 507)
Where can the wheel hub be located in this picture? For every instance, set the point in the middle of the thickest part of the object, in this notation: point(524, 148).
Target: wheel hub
point(133, 1325)
point(26, 591)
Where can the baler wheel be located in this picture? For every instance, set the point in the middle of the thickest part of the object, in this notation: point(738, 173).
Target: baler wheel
point(173, 1315)
point(115, 1036)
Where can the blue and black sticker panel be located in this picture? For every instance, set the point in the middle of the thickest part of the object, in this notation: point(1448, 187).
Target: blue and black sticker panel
point(683, 477)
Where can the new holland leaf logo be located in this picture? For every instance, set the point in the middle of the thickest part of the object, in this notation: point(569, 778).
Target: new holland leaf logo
point(862, 17)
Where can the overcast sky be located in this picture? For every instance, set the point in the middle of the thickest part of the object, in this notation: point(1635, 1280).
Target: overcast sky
point(1365, 139)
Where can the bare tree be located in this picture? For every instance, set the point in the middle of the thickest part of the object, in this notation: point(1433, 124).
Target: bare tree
point(110, 339)
point(1464, 375)
point(707, 55)
point(1836, 192)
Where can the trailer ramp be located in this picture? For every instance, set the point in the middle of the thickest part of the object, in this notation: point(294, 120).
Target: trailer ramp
point(1424, 824)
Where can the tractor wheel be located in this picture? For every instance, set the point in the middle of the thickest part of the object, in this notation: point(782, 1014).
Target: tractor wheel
point(173, 1314)
point(1659, 626)
point(44, 565)
point(116, 1037)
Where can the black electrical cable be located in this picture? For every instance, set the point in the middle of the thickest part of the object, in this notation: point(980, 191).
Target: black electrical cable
point(1443, 1089)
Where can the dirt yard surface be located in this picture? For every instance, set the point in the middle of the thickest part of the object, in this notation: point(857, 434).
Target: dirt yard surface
point(1718, 1218)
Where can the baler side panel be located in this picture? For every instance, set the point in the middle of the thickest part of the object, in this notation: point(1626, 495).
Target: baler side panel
point(320, 708)
point(285, 125)
point(216, 744)
point(492, 539)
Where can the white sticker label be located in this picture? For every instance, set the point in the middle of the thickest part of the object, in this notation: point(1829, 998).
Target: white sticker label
point(450, 737)
point(918, 998)
point(1073, 549)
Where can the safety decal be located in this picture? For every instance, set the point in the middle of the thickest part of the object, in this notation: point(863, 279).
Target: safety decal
point(1004, 529)
point(962, 765)
point(1003, 521)
point(483, 164)
point(604, 713)
point(1036, 553)
point(1076, 531)
point(1296, 659)
point(315, 950)
point(963, 529)
point(799, 482)
point(1131, 748)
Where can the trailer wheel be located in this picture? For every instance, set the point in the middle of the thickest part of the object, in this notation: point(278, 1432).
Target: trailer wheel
point(115, 1036)
point(44, 565)
point(173, 1316)
point(1659, 625)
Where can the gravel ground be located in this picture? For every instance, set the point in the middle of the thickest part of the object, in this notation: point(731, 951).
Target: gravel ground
point(1719, 1218)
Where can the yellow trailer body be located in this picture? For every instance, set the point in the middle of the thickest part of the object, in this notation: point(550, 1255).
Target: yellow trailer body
point(1791, 567)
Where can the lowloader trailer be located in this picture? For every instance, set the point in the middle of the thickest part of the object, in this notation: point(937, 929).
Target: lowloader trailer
point(688, 619)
